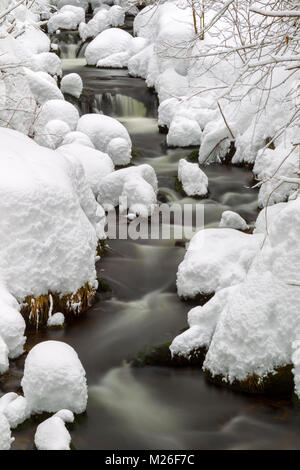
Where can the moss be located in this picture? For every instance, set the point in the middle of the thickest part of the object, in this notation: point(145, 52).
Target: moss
point(136, 153)
point(101, 248)
point(35, 310)
point(193, 156)
point(160, 355)
point(280, 383)
point(104, 286)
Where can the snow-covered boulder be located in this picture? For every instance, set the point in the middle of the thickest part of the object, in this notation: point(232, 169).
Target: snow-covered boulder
point(41, 88)
point(68, 17)
point(5, 434)
point(96, 164)
point(103, 130)
point(72, 85)
point(12, 326)
point(57, 319)
point(216, 258)
point(15, 409)
point(56, 110)
point(46, 203)
point(54, 379)
point(52, 433)
point(137, 183)
point(113, 48)
point(52, 134)
point(184, 132)
point(231, 219)
point(48, 62)
point(80, 138)
point(76, 3)
point(103, 19)
point(194, 181)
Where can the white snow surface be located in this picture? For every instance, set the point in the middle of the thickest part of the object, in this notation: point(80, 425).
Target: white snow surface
point(52, 434)
point(231, 219)
point(5, 434)
point(216, 258)
point(54, 379)
point(72, 84)
point(194, 180)
point(68, 17)
point(102, 131)
point(57, 319)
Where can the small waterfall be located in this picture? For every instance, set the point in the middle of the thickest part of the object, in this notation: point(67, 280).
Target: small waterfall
point(121, 106)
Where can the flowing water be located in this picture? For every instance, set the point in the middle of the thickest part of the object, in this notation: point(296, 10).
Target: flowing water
point(154, 407)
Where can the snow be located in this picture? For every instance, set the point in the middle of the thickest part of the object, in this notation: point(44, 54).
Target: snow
point(5, 434)
point(52, 433)
point(68, 17)
point(184, 132)
point(54, 379)
point(194, 180)
point(113, 48)
point(45, 202)
point(48, 62)
point(15, 409)
point(102, 130)
point(77, 3)
point(57, 319)
point(72, 84)
point(53, 134)
point(12, 325)
point(102, 20)
point(78, 138)
point(4, 364)
point(137, 183)
point(56, 110)
point(96, 164)
point(231, 219)
point(41, 88)
point(216, 258)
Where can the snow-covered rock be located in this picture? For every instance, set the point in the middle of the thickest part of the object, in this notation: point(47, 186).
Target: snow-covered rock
point(53, 134)
point(72, 84)
point(12, 327)
point(48, 62)
point(96, 164)
point(216, 258)
point(68, 17)
point(5, 434)
point(108, 135)
point(103, 19)
point(52, 433)
point(57, 319)
point(57, 110)
point(15, 409)
point(41, 88)
point(194, 180)
point(80, 138)
point(54, 379)
point(231, 219)
point(137, 183)
point(184, 132)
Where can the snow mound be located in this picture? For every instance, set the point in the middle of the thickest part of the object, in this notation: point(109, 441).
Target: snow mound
point(48, 62)
point(52, 433)
point(96, 164)
point(54, 379)
point(216, 258)
point(184, 132)
point(231, 219)
point(51, 198)
point(12, 327)
point(194, 180)
point(68, 17)
point(113, 48)
point(4, 363)
point(5, 434)
point(15, 409)
point(41, 88)
point(141, 195)
point(80, 138)
point(72, 84)
point(102, 130)
point(57, 110)
point(102, 20)
point(53, 134)
point(57, 319)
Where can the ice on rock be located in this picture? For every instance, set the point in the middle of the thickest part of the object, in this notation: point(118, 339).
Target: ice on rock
point(68, 17)
point(216, 258)
point(80, 138)
point(102, 130)
point(231, 219)
point(57, 319)
point(54, 379)
point(72, 85)
point(120, 183)
point(41, 88)
point(57, 209)
point(52, 434)
point(96, 164)
point(5, 434)
point(194, 180)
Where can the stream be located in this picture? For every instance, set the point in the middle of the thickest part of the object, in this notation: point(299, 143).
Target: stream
point(154, 407)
